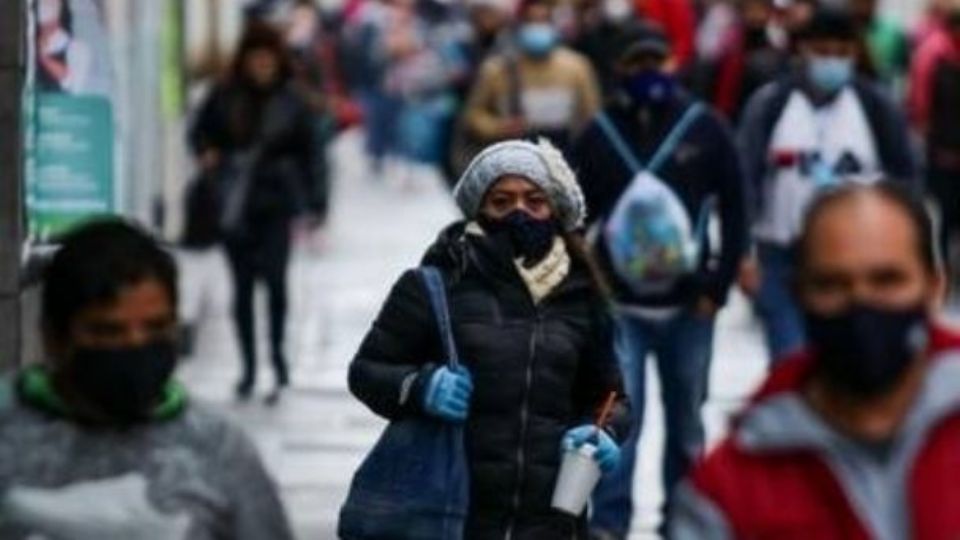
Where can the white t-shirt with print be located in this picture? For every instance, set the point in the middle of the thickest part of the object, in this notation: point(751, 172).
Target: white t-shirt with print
point(812, 148)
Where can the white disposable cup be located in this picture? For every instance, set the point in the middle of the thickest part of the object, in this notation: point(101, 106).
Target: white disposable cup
point(579, 474)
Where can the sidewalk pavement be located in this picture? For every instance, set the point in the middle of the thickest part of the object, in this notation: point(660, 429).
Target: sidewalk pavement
point(316, 437)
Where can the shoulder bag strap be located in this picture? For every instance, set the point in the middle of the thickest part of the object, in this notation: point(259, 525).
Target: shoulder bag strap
point(663, 152)
point(514, 87)
point(676, 135)
point(667, 148)
point(620, 145)
point(433, 281)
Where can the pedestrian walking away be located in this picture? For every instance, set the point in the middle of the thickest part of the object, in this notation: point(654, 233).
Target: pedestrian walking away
point(857, 436)
point(532, 333)
point(654, 166)
point(254, 133)
point(818, 127)
point(99, 440)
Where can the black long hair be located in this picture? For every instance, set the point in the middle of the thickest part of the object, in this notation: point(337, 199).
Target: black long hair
point(257, 36)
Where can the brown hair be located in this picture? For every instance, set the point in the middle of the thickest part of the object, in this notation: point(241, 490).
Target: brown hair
point(580, 251)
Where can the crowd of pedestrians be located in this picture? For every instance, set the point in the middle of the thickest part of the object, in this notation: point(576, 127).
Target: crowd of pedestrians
point(621, 166)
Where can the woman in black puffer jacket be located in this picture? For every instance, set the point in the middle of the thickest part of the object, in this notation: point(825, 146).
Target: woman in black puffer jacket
point(531, 328)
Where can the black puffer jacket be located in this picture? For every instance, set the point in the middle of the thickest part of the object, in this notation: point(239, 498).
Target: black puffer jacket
point(537, 371)
point(234, 120)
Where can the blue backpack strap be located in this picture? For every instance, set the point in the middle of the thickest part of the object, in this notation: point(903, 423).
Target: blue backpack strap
point(703, 220)
point(433, 281)
point(676, 135)
point(616, 139)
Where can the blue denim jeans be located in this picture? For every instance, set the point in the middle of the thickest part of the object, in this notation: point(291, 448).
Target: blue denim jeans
point(683, 347)
point(775, 304)
point(381, 112)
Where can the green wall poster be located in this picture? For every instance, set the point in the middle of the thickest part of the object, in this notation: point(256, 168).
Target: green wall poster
point(70, 148)
point(73, 162)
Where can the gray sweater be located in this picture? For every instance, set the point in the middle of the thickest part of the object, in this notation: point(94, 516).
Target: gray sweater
point(192, 477)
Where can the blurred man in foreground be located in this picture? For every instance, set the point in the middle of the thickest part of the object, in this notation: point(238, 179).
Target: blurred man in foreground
point(859, 436)
point(100, 442)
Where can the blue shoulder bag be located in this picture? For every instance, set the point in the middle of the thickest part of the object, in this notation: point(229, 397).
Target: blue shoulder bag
point(414, 484)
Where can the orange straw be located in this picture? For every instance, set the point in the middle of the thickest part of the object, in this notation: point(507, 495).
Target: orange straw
point(607, 410)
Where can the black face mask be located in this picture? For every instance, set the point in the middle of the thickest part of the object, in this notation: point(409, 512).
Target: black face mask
point(125, 385)
point(529, 238)
point(866, 350)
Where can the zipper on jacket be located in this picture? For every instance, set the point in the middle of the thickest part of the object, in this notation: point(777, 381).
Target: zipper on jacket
point(524, 418)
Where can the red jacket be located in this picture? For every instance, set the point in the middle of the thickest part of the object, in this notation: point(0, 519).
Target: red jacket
point(929, 54)
point(783, 474)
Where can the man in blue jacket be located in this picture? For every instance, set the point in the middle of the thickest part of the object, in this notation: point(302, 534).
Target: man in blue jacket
point(650, 115)
point(817, 127)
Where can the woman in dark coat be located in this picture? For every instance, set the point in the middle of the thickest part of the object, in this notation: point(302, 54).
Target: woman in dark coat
point(532, 332)
point(254, 133)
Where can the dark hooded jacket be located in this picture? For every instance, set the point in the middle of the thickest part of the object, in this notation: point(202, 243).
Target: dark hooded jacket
point(237, 120)
point(538, 370)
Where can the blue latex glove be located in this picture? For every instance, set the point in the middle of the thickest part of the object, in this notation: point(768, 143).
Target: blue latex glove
point(607, 455)
point(448, 393)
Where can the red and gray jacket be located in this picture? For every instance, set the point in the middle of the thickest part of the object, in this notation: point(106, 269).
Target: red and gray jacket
point(783, 473)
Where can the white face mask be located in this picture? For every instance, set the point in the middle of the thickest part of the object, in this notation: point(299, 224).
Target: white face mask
point(830, 73)
point(48, 11)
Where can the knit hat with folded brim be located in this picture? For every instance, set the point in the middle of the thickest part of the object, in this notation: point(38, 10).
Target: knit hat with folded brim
point(539, 163)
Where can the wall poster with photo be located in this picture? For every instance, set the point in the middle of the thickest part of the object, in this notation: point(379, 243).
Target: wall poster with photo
point(69, 107)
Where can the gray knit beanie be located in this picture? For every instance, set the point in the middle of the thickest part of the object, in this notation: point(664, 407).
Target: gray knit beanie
point(539, 163)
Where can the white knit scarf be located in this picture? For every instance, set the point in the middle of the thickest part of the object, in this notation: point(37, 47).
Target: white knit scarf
point(545, 276)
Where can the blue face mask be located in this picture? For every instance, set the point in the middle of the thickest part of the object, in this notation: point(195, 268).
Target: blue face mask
point(649, 87)
point(537, 39)
point(830, 74)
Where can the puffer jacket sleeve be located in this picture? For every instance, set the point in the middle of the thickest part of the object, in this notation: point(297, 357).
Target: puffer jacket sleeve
point(399, 352)
point(599, 374)
point(208, 130)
